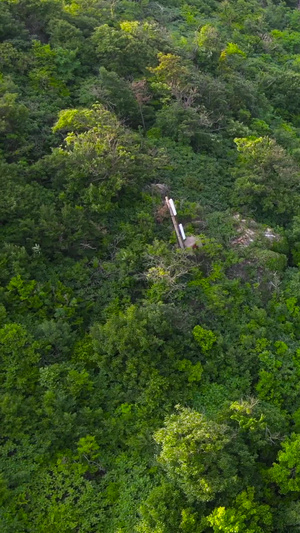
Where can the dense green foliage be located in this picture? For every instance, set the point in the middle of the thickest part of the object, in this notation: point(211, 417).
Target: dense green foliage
point(147, 389)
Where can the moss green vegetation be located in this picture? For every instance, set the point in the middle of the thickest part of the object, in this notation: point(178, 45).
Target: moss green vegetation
point(143, 388)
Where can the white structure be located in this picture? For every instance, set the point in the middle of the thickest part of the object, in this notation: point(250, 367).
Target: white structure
point(172, 205)
point(182, 231)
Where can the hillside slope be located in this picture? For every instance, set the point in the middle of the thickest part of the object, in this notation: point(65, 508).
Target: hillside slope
point(147, 389)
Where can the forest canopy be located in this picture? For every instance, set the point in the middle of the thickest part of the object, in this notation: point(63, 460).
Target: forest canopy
point(147, 388)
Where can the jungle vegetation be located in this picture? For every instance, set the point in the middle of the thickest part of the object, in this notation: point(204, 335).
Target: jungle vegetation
point(144, 388)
